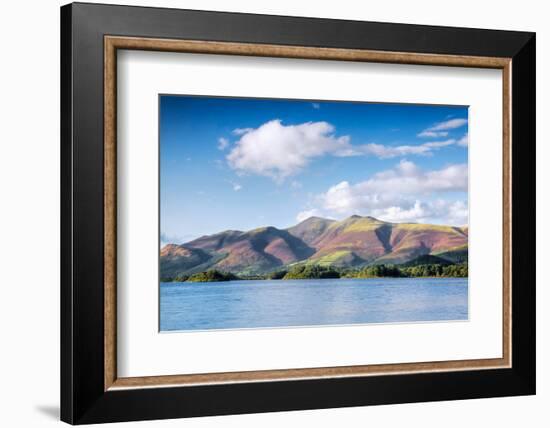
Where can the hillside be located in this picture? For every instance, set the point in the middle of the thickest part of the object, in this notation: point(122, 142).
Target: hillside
point(247, 253)
point(353, 242)
point(310, 229)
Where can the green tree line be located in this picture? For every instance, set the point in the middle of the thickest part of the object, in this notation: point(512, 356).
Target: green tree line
point(304, 271)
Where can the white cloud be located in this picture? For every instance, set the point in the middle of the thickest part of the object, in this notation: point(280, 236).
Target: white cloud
point(463, 141)
point(403, 193)
point(448, 124)
point(279, 151)
point(458, 213)
point(406, 177)
point(241, 131)
point(432, 134)
point(437, 144)
point(235, 186)
point(222, 143)
point(385, 152)
point(439, 211)
point(441, 129)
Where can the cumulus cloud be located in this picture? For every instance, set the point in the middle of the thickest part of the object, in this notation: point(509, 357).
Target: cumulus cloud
point(279, 151)
point(403, 193)
point(222, 143)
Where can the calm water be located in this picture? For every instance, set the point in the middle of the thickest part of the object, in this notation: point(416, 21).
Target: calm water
point(257, 304)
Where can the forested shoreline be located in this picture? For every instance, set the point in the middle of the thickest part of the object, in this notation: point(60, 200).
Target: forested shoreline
point(305, 271)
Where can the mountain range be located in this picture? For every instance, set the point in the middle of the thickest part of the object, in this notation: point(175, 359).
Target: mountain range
point(353, 242)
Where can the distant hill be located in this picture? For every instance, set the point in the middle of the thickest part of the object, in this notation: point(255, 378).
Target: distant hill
point(178, 260)
point(353, 242)
point(256, 251)
point(310, 229)
point(427, 259)
point(456, 255)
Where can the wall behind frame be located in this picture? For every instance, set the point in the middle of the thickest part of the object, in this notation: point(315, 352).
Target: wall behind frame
point(29, 219)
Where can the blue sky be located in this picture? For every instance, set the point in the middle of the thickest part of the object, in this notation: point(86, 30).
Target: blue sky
point(232, 163)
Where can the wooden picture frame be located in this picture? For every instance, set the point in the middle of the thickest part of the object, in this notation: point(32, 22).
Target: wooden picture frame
point(91, 390)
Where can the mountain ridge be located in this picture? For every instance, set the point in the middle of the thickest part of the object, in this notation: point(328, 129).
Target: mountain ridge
point(352, 242)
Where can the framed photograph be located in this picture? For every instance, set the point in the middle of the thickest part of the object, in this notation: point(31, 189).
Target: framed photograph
point(266, 213)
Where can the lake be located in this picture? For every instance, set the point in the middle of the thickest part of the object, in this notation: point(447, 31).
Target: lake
point(294, 303)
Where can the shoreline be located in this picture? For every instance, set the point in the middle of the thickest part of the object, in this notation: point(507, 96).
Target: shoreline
point(315, 279)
